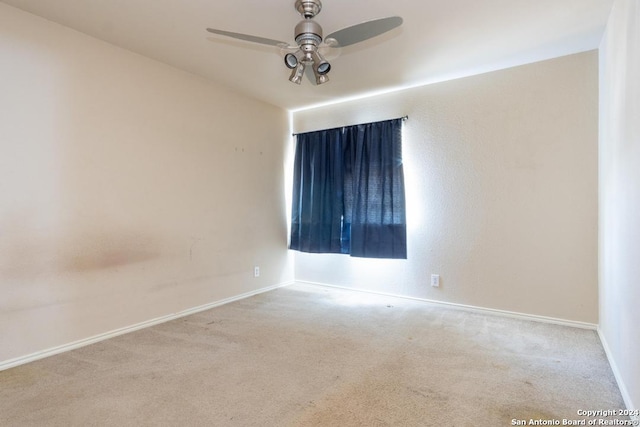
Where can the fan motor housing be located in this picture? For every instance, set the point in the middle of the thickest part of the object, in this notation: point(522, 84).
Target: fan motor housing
point(308, 32)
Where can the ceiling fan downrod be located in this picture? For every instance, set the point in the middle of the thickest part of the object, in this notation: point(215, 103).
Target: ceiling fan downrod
point(308, 35)
point(308, 8)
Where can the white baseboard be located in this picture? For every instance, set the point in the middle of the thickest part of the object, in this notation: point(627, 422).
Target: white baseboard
point(121, 331)
point(504, 313)
point(101, 337)
point(11, 363)
point(616, 373)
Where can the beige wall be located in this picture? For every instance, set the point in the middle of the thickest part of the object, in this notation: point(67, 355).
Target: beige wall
point(620, 196)
point(128, 189)
point(501, 176)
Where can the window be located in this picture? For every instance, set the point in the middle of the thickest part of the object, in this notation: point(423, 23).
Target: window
point(348, 191)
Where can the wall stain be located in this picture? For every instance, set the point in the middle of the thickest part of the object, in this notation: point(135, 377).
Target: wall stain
point(108, 251)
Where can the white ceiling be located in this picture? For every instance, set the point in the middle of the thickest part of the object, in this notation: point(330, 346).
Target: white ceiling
point(438, 40)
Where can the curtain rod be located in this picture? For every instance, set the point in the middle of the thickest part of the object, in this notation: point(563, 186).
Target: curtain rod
point(403, 118)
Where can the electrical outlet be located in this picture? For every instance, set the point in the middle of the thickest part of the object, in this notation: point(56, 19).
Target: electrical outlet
point(256, 271)
point(435, 280)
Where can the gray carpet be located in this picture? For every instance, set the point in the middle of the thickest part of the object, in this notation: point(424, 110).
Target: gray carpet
point(310, 356)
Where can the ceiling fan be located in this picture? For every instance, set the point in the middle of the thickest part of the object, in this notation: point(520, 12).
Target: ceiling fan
point(309, 40)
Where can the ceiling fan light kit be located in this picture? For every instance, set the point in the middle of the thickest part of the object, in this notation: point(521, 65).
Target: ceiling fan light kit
point(309, 39)
point(308, 35)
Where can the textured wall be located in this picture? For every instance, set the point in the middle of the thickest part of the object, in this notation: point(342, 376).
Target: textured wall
point(501, 174)
point(620, 195)
point(128, 190)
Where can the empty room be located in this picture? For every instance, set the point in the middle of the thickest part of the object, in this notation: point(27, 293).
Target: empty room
point(319, 213)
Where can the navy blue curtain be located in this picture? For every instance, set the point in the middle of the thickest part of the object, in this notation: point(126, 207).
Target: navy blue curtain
point(348, 191)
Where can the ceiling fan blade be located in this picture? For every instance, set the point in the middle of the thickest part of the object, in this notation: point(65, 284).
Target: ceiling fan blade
point(330, 49)
point(247, 37)
point(284, 49)
point(366, 30)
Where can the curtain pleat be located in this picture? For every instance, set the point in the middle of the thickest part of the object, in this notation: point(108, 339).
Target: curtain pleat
point(317, 194)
